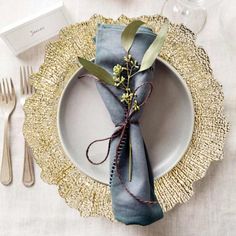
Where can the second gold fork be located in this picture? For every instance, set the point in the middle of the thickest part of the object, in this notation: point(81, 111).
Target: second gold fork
point(26, 91)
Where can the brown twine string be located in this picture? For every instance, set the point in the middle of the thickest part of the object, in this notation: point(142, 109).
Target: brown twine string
point(121, 131)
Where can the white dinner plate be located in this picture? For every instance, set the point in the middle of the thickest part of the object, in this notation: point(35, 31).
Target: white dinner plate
point(167, 122)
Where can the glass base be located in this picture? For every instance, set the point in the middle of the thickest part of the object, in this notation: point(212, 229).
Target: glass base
point(191, 13)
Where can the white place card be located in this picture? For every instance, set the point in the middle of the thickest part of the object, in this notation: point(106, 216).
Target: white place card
point(35, 29)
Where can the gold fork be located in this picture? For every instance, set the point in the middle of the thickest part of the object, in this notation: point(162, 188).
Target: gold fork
point(7, 106)
point(26, 91)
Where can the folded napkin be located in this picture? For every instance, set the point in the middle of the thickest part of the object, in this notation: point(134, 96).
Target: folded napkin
point(126, 207)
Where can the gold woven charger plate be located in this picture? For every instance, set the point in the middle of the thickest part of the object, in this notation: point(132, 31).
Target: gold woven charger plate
point(90, 197)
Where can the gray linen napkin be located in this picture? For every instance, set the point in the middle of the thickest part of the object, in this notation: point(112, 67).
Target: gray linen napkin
point(109, 52)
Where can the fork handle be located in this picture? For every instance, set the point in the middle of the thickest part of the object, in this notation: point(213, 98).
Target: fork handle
point(6, 168)
point(28, 171)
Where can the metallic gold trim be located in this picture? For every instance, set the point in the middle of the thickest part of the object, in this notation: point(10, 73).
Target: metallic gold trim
point(83, 193)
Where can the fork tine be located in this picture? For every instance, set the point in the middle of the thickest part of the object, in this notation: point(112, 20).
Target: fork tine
point(8, 90)
point(13, 93)
point(21, 81)
point(25, 81)
point(4, 91)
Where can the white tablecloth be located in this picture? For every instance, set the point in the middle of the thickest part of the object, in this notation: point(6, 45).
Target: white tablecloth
point(41, 211)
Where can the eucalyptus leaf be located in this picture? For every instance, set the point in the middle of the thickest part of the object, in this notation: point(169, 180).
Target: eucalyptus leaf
point(155, 48)
point(129, 33)
point(97, 71)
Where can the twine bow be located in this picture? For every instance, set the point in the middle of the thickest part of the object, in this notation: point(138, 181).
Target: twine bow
point(123, 127)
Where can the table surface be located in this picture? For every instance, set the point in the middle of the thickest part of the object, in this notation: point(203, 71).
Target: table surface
point(41, 211)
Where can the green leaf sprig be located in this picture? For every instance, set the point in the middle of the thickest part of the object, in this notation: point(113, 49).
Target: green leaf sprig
point(97, 71)
point(124, 72)
point(128, 35)
point(127, 39)
point(154, 49)
point(122, 75)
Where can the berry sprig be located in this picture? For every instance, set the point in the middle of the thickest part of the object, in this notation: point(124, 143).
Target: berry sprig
point(122, 75)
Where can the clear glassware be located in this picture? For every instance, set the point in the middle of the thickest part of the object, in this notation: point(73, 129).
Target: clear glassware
point(191, 13)
point(227, 22)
